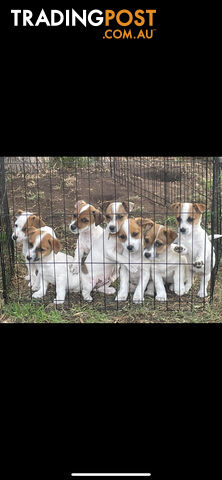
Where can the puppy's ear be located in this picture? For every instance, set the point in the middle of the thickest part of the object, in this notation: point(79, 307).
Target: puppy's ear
point(31, 230)
point(79, 205)
point(170, 236)
point(176, 206)
point(18, 213)
point(55, 244)
point(144, 223)
point(99, 217)
point(199, 207)
point(35, 221)
point(129, 206)
point(105, 205)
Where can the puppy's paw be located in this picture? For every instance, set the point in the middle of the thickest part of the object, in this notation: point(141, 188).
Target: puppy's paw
point(180, 291)
point(110, 291)
point(37, 295)
point(198, 264)
point(58, 302)
point(202, 294)
point(74, 269)
point(138, 300)
point(87, 297)
point(121, 298)
point(161, 298)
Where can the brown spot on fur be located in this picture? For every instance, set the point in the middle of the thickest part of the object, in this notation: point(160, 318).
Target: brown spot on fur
point(33, 221)
point(48, 244)
point(88, 217)
point(145, 223)
point(160, 234)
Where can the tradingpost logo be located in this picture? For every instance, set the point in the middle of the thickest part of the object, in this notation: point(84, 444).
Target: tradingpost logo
point(114, 24)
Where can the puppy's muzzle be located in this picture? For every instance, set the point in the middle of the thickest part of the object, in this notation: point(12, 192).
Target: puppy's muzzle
point(14, 237)
point(73, 227)
point(112, 229)
point(183, 230)
point(147, 255)
point(130, 248)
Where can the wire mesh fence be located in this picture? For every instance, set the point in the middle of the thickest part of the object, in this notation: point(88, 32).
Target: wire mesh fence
point(109, 230)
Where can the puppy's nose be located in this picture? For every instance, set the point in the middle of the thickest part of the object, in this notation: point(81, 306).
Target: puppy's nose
point(29, 258)
point(147, 255)
point(130, 247)
point(14, 237)
point(112, 228)
point(183, 230)
point(73, 227)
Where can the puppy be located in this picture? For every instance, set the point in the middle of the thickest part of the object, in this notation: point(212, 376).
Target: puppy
point(53, 266)
point(24, 221)
point(101, 261)
point(167, 265)
point(201, 256)
point(130, 236)
point(86, 223)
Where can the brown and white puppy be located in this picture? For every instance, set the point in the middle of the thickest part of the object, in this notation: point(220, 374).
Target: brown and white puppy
point(200, 253)
point(86, 223)
point(131, 238)
point(167, 265)
point(102, 261)
point(116, 212)
point(24, 221)
point(53, 266)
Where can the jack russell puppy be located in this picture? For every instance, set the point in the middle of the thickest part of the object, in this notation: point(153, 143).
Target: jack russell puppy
point(201, 256)
point(24, 221)
point(100, 265)
point(168, 263)
point(53, 265)
point(135, 273)
point(86, 223)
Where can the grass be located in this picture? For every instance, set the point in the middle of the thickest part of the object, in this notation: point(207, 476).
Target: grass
point(35, 312)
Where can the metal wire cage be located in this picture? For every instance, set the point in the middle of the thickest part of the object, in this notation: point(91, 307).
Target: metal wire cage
point(51, 186)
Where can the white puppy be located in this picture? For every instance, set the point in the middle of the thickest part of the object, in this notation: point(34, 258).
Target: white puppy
point(86, 224)
point(201, 256)
point(53, 266)
point(100, 265)
point(134, 273)
point(24, 221)
point(167, 261)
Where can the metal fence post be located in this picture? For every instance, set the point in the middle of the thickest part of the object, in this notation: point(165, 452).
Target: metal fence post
point(216, 219)
point(6, 243)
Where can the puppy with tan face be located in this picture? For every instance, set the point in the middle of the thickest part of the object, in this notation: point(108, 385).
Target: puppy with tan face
point(201, 256)
point(133, 277)
point(116, 213)
point(86, 223)
point(166, 265)
point(53, 266)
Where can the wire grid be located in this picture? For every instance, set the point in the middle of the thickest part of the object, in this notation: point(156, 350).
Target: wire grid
point(50, 187)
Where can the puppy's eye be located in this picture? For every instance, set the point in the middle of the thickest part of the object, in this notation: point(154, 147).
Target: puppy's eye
point(40, 249)
point(108, 217)
point(123, 237)
point(147, 240)
point(16, 225)
point(30, 245)
point(85, 220)
point(74, 216)
point(179, 219)
point(120, 216)
point(135, 234)
point(158, 244)
point(190, 219)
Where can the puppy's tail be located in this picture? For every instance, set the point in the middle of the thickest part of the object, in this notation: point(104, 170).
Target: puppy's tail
point(215, 237)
